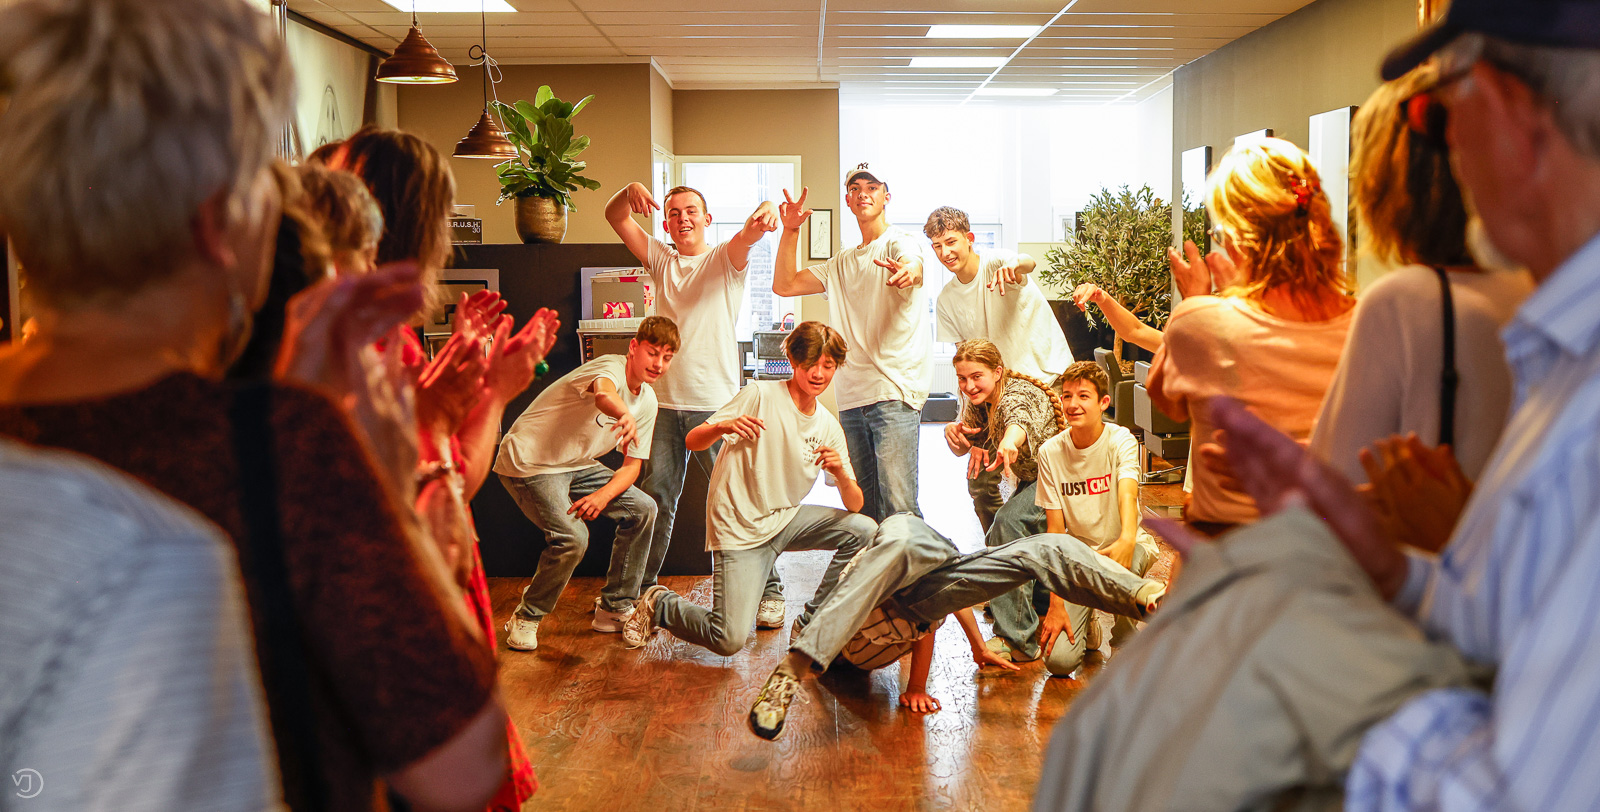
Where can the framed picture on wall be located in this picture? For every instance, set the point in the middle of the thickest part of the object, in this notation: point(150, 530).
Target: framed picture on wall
point(821, 245)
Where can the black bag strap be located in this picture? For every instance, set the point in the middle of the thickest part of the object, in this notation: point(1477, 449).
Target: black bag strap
point(1450, 378)
point(253, 443)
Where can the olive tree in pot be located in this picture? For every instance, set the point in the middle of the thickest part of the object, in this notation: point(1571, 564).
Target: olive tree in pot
point(544, 174)
point(1121, 246)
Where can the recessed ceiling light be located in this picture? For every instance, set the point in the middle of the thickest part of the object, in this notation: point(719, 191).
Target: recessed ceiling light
point(1017, 91)
point(434, 6)
point(983, 31)
point(957, 61)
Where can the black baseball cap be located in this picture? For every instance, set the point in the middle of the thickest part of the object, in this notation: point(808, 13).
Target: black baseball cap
point(1558, 23)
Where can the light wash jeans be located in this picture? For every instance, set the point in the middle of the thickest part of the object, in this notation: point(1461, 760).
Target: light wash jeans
point(1019, 517)
point(1019, 613)
point(922, 575)
point(545, 499)
point(737, 577)
point(1059, 563)
point(985, 492)
point(662, 480)
point(884, 445)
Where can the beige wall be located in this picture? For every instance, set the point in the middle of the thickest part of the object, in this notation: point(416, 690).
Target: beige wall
point(772, 122)
point(618, 122)
point(1319, 58)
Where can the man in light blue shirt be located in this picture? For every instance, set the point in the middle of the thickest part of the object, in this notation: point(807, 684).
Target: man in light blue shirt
point(1515, 589)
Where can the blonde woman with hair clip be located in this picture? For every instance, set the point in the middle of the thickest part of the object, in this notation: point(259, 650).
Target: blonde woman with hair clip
point(1272, 338)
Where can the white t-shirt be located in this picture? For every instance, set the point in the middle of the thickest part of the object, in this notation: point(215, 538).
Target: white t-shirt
point(1020, 323)
point(1082, 482)
point(1399, 319)
point(563, 431)
point(701, 294)
point(756, 487)
point(890, 351)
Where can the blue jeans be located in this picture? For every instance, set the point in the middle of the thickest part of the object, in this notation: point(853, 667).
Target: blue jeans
point(884, 444)
point(1016, 617)
point(545, 500)
point(737, 577)
point(663, 479)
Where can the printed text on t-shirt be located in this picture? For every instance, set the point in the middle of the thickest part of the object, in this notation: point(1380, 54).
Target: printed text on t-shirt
point(1090, 487)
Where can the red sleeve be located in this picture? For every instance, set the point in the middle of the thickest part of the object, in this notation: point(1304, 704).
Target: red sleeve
point(405, 665)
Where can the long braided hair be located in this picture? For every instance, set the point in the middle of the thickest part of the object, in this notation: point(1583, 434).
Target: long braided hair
point(982, 351)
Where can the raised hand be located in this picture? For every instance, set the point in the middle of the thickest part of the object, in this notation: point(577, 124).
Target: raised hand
point(329, 323)
point(1088, 293)
point(639, 199)
point(902, 275)
point(481, 310)
point(792, 212)
point(763, 219)
point(514, 358)
point(452, 385)
point(956, 437)
point(1198, 275)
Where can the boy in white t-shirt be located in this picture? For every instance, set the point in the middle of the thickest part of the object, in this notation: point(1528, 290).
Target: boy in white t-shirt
point(700, 287)
point(777, 440)
point(1089, 488)
point(876, 299)
point(549, 462)
point(991, 297)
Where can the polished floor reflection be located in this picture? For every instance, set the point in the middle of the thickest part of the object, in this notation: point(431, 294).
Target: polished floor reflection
point(662, 728)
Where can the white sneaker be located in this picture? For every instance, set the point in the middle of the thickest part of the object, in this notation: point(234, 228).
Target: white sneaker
point(641, 622)
point(770, 615)
point(608, 622)
point(524, 634)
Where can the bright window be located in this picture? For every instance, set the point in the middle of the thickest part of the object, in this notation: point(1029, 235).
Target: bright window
point(733, 187)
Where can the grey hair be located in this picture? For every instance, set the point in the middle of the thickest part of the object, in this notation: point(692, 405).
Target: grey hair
point(1568, 79)
point(118, 120)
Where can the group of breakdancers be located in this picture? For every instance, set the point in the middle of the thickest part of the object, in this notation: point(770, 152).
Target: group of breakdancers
point(1066, 542)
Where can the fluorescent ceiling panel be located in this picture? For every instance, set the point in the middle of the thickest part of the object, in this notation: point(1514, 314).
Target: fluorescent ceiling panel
point(1017, 91)
point(433, 6)
point(982, 31)
point(957, 61)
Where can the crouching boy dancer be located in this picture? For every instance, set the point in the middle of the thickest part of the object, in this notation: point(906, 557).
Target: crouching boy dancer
point(777, 440)
point(1089, 488)
point(897, 592)
point(549, 463)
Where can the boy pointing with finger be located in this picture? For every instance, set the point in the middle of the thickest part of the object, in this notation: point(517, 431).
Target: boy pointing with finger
point(876, 299)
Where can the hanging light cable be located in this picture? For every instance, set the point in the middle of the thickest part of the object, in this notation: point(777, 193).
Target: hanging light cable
point(485, 139)
point(415, 61)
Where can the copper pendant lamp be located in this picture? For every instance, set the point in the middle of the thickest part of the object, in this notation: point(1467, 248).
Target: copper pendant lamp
point(415, 61)
point(485, 139)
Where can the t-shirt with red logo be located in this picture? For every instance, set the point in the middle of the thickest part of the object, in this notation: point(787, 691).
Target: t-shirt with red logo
point(1082, 482)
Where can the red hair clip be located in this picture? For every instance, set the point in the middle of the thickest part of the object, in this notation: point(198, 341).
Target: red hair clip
point(1303, 189)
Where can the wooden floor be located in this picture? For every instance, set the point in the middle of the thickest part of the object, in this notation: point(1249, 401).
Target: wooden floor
point(663, 727)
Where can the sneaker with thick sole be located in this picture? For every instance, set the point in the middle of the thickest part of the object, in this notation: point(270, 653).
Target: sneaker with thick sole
point(641, 622)
point(1149, 598)
point(999, 646)
point(771, 614)
point(771, 707)
point(608, 622)
point(524, 634)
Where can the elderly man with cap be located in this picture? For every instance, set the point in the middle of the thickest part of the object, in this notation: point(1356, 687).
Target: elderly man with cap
point(1518, 103)
point(876, 300)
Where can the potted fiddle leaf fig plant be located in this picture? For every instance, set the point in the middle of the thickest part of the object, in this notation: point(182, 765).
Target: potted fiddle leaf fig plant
point(544, 174)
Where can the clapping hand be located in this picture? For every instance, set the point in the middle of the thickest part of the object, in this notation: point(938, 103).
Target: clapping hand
point(514, 358)
point(452, 384)
point(793, 212)
point(1419, 493)
point(902, 274)
point(1197, 275)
